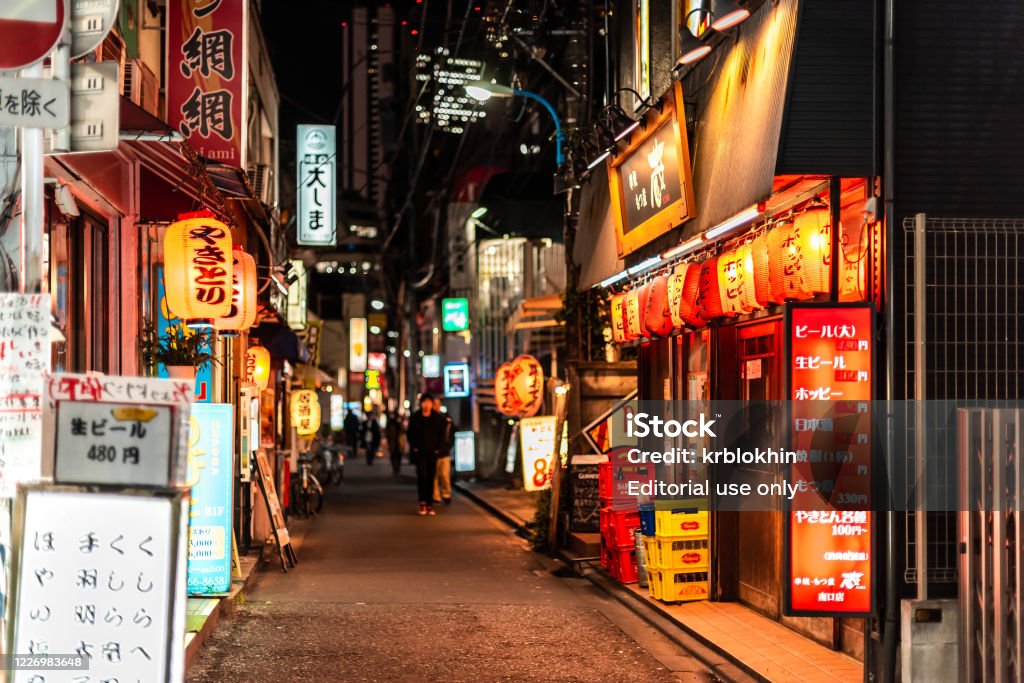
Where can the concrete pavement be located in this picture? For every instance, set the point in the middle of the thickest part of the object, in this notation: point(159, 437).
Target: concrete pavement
point(382, 594)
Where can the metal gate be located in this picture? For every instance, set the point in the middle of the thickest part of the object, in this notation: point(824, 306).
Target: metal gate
point(991, 484)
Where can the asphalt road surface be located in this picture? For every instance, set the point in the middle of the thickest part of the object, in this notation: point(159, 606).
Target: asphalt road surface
point(382, 594)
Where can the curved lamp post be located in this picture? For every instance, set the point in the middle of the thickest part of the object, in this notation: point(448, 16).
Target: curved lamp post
point(483, 91)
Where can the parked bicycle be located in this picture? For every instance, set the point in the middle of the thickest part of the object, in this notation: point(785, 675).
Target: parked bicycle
point(330, 464)
point(307, 495)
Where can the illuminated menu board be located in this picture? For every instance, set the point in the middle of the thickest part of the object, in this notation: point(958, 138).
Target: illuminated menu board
point(829, 526)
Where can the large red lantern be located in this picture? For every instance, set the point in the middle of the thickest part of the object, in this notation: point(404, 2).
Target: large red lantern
point(519, 387)
point(243, 295)
point(657, 315)
point(688, 306)
point(710, 305)
point(618, 322)
point(815, 237)
point(785, 264)
point(745, 254)
point(632, 308)
point(732, 283)
point(198, 270)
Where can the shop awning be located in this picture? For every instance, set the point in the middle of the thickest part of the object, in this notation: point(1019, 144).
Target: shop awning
point(535, 313)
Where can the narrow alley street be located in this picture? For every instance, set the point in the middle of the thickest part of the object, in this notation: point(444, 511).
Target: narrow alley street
point(381, 594)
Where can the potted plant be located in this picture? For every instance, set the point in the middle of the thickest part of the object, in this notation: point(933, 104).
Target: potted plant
point(179, 349)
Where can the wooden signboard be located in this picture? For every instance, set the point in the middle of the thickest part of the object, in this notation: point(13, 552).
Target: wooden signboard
point(265, 476)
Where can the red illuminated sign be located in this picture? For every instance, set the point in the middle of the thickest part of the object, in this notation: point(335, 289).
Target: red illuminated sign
point(829, 553)
point(207, 75)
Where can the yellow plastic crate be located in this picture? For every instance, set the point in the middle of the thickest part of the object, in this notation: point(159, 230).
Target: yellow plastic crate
point(678, 553)
point(670, 585)
point(681, 522)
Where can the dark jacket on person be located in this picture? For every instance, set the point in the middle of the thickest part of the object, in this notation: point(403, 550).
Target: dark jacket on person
point(449, 435)
point(427, 435)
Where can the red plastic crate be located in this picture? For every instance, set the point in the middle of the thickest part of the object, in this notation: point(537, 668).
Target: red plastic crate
point(622, 565)
point(614, 477)
point(622, 522)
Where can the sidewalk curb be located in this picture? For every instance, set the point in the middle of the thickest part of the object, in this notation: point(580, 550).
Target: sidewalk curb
point(512, 520)
point(634, 602)
point(225, 607)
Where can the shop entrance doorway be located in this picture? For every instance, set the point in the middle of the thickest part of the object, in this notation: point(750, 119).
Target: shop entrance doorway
point(759, 533)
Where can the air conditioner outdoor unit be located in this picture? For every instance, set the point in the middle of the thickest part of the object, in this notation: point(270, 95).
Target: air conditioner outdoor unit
point(261, 178)
point(141, 86)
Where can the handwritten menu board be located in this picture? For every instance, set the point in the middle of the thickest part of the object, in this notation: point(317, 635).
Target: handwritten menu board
point(135, 403)
point(24, 360)
point(97, 576)
point(830, 563)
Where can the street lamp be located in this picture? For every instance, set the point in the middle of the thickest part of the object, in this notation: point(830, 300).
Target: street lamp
point(483, 91)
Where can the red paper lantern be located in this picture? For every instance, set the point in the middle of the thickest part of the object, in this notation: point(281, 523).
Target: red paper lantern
point(759, 260)
point(689, 302)
point(243, 295)
point(657, 315)
point(643, 297)
point(853, 273)
point(815, 238)
point(618, 321)
point(632, 308)
point(731, 283)
point(785, 265)
point(710, 305)
point(519, 387)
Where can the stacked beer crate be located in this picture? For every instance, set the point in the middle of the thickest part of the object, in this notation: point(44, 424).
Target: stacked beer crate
point(679, 553)
point(619, 517)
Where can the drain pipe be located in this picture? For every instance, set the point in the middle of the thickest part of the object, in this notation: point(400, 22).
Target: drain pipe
point(889, 639)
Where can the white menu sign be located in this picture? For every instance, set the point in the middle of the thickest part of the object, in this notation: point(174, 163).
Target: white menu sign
point(315, 198)
point(99, 577)
point(24, 359)
point(134, 399)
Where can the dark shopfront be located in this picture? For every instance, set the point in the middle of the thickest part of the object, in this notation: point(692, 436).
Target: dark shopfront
point(762, 164)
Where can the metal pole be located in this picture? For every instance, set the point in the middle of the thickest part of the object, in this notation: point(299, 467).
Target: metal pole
point(920, 387)
point(60, 138)
point(31, 201)
point(835, 196)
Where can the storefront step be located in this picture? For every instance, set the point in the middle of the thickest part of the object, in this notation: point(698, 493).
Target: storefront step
point(203, 614)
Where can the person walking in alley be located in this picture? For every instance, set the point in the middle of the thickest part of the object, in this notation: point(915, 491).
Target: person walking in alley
point(351, 426)
point(426, 437)
point(371, 438)
point(393, 431)
point(443, 479)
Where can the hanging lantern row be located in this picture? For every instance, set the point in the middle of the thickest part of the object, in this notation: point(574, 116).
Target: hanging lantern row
point(792, 261)
point(210, 282)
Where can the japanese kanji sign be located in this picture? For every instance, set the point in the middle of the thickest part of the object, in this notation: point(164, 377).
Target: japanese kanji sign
point(24, 360)
point(315, 195)
point(206, 76)
point(650, 181)
point(114, 443)
point(211, 469)
point(87, 413)
point(537, 443)
point(829, 524)
point(34, 103)
point(97, 578)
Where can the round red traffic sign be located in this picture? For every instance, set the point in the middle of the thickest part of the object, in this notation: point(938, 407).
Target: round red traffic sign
point(29, 31)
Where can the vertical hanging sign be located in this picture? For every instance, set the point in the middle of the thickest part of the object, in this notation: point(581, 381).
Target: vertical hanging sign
point(207, 75)
point(24, 358)
point(315, 197)
point(210, 475)
point(829, 552)
point(357, 354)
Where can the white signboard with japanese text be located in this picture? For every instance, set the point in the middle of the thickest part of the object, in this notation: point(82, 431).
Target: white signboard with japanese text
point(98, 576)
point(34, 103)
point(24, 361)
point(537, 443)
point(316, 163)
point(113, 443)
point(62, 389)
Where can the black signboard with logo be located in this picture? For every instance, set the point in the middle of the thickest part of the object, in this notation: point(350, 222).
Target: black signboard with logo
point(651, 184)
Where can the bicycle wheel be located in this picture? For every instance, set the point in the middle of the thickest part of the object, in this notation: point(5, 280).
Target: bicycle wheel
point(337, 474)
point(315, 494)
point(296, 504)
